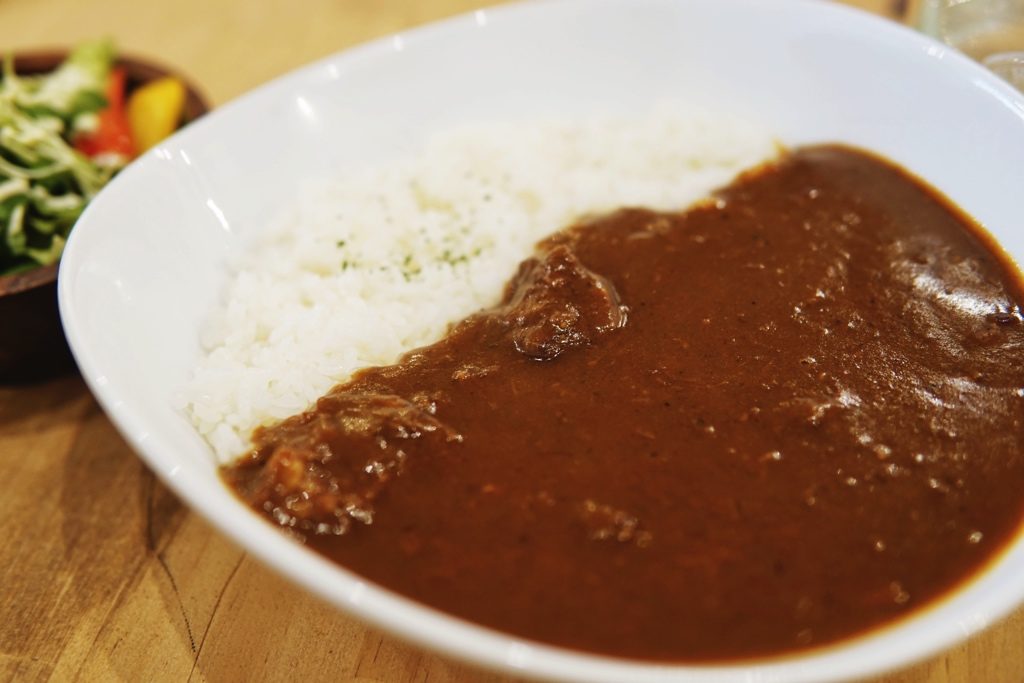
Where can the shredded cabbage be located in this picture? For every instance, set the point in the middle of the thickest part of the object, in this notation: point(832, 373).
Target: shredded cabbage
point(44, 182)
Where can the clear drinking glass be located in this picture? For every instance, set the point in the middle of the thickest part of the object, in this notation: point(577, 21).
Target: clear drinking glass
point(990, 31)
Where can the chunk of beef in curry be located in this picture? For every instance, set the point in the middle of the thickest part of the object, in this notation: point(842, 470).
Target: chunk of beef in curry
point(781, 418)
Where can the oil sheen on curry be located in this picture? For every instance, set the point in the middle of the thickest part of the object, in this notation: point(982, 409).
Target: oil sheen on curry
point(779, 419)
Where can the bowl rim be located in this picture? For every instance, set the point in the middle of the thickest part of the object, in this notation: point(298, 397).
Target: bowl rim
point(44, 59)
point(30, 278)
point(479, 645)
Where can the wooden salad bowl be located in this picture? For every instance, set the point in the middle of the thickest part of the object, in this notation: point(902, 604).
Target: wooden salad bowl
point(32, 344)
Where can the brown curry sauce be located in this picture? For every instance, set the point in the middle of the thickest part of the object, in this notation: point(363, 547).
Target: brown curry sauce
point(781, 418)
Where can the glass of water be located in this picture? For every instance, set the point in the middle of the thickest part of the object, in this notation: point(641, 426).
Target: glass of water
point(990, 31)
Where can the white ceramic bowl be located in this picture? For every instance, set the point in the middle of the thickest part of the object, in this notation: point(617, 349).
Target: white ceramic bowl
point(146, 261)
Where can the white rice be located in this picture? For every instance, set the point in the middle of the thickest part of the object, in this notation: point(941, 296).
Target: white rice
point(371, 265)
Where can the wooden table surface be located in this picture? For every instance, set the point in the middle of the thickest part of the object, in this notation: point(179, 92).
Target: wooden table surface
point(104, 575)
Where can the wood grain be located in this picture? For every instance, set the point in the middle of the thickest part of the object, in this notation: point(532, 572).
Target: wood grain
point(104, 574)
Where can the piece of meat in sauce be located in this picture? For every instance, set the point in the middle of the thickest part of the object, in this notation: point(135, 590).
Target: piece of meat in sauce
point(555, 302)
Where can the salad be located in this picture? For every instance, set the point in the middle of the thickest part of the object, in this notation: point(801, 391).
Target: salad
point(63, 136)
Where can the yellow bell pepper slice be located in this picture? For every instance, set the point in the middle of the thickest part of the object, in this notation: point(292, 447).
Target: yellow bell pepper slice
point(154, 111)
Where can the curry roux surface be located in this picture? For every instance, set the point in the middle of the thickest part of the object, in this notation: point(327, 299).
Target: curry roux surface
point(776, 420)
